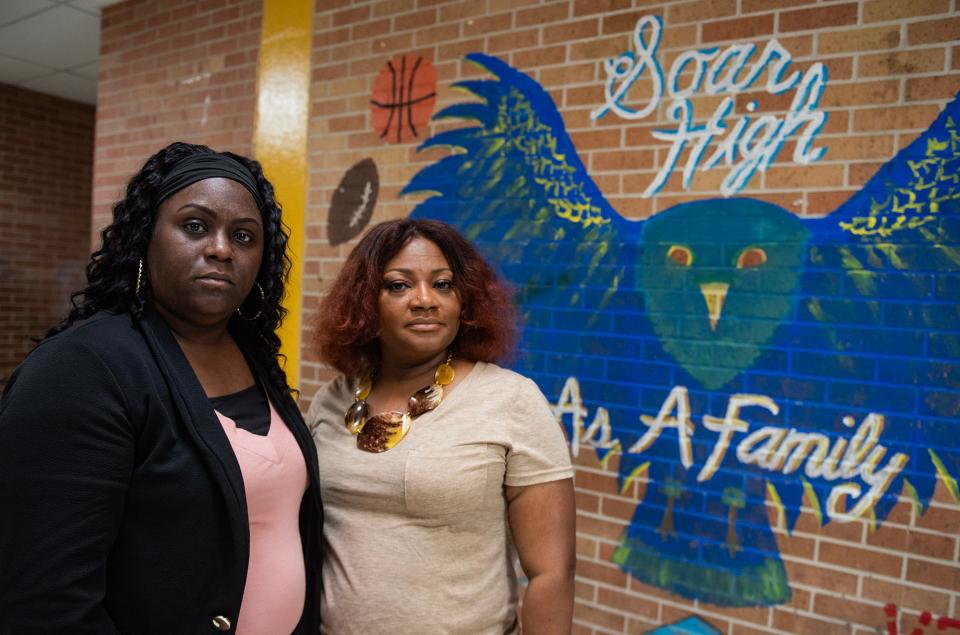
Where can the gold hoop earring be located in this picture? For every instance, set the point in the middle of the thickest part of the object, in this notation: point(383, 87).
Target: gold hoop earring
point(136, 290)
point(263, 299)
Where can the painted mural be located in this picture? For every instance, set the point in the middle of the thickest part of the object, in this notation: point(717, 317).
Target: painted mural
point(743, 142)
point(728, 350)
point(403, 97)
point(353, 202)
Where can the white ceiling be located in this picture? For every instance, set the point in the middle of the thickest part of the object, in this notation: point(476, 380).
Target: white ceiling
point(51, 46)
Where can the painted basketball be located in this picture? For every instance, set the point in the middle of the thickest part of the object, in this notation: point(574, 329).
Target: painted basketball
point(404, 95)
point(353, 201)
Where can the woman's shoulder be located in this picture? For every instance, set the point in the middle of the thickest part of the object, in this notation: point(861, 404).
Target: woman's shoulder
point(490, 376)
point(330, 398)
point(104, 329)
point(81, 361)
point(93, 340)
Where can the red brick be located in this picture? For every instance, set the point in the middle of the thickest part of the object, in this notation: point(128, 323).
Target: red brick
point(807, 574)
point(598, 617)
point(618, 23)
point(621, 160)
point(860, 173)
point(587, 502)
point(596, 49)
point(699, 11)
point(753, 6)
point(945, 577)
point(512, 41)
point(589, 7)
point(607, 573)
point(887, 10)
point(617, 508)
point(902, 63)
point(933, 31)
point(600, 528)
point(788, 622)
point(908, 595)
point(350, 16)
point(487, 25)
point(932, 87)
point(854, 559)
point(45, 140)
point(944, 519)
point(850, 40)
point(738, 28)
point(628, 602)
point(440, 33)
point(895, 118)
point(850, 610)
point(542, 15)
point(568, 31)
point(860, 93)
point(533, 58)
point(452, 11)
point(595, 139)
point(415, 20)
point(585, 591)
point(586, 547)
point(831, 16)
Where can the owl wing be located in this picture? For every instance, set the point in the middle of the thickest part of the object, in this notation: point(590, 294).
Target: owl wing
point(880, 307)
point(515, 186)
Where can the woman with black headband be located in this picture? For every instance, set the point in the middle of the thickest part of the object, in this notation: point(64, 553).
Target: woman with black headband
point(155, 473)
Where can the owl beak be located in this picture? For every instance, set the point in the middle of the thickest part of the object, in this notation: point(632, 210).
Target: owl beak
point(714, 293)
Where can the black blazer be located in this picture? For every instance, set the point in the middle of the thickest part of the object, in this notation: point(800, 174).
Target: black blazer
point(122, 508)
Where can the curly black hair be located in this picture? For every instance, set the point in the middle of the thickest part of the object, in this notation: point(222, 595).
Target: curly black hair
point(112, 270)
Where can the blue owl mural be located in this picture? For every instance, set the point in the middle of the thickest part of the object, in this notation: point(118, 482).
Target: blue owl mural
point(741, 353)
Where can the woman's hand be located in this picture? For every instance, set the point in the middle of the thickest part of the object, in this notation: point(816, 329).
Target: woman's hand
point(543, 522)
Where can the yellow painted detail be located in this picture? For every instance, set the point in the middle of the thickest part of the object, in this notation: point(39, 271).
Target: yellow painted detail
point(280, 141)
point(614, 450)
point(774, 496)
point(945, 475)
point(715, 293)
point(914, 497)
point(635, 474)
point(813, 501)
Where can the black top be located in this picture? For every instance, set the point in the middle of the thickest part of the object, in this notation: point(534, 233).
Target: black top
point(248, 408)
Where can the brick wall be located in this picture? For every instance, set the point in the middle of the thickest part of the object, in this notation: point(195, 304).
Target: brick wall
point(46, 153)
point(848, 342)
point(171, 71)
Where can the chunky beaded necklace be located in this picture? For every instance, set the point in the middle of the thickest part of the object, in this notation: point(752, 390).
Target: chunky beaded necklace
point(383, 431)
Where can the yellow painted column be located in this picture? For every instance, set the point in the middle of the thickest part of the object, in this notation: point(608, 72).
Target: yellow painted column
point(280, 141)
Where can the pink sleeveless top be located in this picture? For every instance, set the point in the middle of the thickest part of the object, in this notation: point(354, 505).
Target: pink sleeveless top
point(275, 478)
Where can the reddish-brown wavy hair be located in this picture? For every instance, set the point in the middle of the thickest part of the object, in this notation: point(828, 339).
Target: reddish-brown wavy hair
point(349, 315)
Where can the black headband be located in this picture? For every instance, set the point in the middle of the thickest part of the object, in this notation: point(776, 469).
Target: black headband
point(198, 167)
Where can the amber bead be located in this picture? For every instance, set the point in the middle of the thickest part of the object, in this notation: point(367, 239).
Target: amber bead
point(363, 389)
point(356, 417)
point(379, 432)
point(424, 400)
point(444, 374)
point(396, 435)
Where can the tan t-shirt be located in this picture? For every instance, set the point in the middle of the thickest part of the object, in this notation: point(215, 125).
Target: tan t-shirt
point(417, 537)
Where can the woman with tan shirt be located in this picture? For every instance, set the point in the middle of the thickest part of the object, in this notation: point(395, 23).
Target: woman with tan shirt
point(437, 467)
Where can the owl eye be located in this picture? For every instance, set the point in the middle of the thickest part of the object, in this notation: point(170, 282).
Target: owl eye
point(751, 257)
point(680, 255)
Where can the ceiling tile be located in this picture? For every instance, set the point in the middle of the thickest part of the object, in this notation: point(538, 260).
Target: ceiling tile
point(14, 71)
point(65, 85)
point(89, 71)
point(61, 37)
point(91, 5)
point(11, 10)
